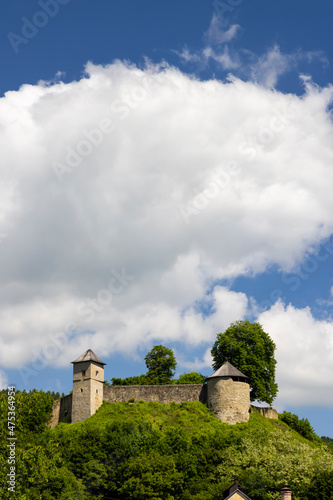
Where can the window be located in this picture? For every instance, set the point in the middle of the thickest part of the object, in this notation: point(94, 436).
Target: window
point(83, 373)
point(96, 391)
point(81, 390)
point(97, 374)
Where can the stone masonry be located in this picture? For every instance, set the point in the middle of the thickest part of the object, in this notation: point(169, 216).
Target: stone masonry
point(88, 382)
point(227, 393)
point(181, 393)
point(229, 400)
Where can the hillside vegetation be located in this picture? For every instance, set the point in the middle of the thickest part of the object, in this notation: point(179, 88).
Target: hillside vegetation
point(143, 451)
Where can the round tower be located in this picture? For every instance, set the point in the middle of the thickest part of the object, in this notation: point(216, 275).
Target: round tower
point(88, 379)
point(228, 394)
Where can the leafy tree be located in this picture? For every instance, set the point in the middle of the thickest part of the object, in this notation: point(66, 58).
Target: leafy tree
point(321, 487)
point(302, 426)
point(136, 380)
point(161, 364)
point(33, 409)
point(327, 440)
point(264, 458)
point(153, 476)
point(246, 346)
point(190, 378)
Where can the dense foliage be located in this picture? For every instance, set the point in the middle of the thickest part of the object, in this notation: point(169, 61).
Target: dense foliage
point(327, 440)
point(39, 467)
point(136, 380)
point(190, 378)
point(246, 346)
point(161, 364)
point(139, 451)
point(302, 426)
point(321, 486)
point(186, 378)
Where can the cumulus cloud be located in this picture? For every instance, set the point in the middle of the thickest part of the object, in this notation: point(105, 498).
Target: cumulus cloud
point(129, 195)
point(304, 355)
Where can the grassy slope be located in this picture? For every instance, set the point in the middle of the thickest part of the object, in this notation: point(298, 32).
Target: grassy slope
point(189, 417)
point(262, 454)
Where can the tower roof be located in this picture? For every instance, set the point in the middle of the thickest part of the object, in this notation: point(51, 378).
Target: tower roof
point(235, 490)
point(89, 355)
point(228, 370)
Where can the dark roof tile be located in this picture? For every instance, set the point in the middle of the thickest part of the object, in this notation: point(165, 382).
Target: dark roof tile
point(228, 370)
point(89, 355)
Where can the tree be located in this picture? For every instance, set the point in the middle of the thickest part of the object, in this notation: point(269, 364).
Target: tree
point(246, 346)
point(321, 486)
point(190, 378)
point(302, 426)
point(161, 364)
point(136, 380)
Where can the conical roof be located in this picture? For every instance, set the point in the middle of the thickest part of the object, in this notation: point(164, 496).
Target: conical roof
point(89, 355)
point(228, 370)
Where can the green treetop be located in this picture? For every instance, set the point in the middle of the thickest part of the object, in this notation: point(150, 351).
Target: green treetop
point(246, 346)
point(161, 364)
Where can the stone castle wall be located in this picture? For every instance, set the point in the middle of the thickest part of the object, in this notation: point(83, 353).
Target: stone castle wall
point(229, 400)
point(181, 393)
point(61, 410)
point(78, 408)
point(267, 412)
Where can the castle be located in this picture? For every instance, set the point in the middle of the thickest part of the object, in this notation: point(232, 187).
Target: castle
point(226, 392)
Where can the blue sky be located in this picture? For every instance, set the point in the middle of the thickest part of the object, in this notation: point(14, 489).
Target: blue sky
point(166, 170)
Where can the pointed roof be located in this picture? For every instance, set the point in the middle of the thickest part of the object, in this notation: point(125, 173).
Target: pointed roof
point(89, 355)
point(236, 490)
point(237, 494)
point(228, 370)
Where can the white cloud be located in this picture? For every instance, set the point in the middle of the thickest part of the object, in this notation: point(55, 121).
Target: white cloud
point(223, 57)
point(265, 69)
point(3, 380)
point(203, 365)
point(271, 65)
point(189, 56)
point(216, 34)
point(304, 355)
point(255, 165)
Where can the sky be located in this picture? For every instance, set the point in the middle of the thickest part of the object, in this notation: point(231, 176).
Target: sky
point(166, 170)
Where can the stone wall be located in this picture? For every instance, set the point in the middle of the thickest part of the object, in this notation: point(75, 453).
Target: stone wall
point(267, 412)
point(181, 393)
point(229, 400)
point(61, 410)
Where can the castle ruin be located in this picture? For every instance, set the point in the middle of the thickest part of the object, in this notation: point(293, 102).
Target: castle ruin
point(226, 392)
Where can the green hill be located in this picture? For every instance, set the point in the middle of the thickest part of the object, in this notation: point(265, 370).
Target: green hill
point(145, 451)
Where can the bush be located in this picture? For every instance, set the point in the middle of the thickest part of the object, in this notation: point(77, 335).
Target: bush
point(302, 426)
point(190, 378)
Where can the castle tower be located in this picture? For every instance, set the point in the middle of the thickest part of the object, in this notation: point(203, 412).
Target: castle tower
point(228, 394)
point(88, 378)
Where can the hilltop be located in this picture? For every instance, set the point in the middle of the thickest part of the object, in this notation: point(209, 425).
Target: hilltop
point(141, 451)
point(181, 451)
